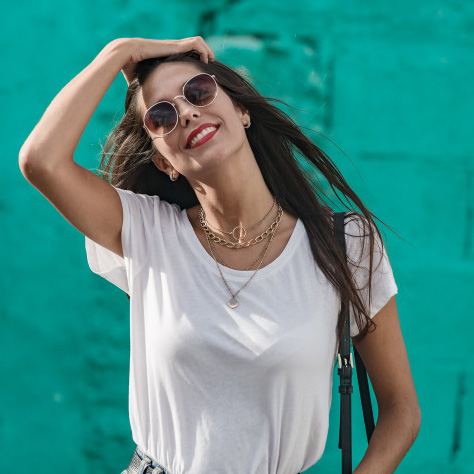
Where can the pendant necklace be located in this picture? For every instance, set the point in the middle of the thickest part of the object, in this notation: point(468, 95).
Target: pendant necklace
point(233, 302)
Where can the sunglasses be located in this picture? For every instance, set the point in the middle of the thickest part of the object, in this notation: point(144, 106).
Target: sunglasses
point(199, 91)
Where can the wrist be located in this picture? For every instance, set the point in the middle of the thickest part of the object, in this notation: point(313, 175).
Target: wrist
point(120, 48)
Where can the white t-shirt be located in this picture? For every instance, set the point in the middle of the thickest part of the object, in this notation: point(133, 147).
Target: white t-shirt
point(218, 390)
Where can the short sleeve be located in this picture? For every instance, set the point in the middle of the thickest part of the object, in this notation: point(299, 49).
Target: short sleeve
point(138, 211)
point(383, 284)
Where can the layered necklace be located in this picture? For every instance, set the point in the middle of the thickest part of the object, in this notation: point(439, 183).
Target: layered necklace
point(239, 233)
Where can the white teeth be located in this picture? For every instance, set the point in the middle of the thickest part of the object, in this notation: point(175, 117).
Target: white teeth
point(201, 134)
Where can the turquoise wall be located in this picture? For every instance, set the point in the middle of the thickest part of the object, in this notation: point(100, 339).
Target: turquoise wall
point(390, 83)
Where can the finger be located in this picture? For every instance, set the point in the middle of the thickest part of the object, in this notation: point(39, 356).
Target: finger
point(204, 56)
point(210, 53)
point(203, 49)
point(211, 56)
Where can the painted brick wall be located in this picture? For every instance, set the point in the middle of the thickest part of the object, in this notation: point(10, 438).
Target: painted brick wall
point(387, 82)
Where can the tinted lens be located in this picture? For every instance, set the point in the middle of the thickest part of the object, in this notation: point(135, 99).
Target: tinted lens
point(201, 90)
point(161, 118)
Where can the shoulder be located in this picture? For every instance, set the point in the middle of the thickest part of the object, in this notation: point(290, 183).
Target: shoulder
point(363, 238)
point(144, 202)
point(357, 226)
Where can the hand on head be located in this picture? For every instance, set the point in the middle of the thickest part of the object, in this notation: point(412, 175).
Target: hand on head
point(141, 48)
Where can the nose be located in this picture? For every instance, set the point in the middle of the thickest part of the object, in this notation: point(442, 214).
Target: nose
point(185, 110)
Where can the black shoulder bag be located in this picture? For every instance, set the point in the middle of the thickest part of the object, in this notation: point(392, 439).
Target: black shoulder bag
point(345, 362)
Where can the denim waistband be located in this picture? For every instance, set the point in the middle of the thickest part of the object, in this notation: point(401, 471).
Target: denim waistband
point(141, 463)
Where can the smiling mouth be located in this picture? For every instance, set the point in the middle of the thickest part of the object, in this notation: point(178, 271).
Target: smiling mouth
point(203, 137)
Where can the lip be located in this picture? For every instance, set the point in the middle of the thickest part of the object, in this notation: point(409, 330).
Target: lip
point(198, 130)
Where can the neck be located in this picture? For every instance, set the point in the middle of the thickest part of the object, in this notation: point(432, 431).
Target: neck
point(235, 195)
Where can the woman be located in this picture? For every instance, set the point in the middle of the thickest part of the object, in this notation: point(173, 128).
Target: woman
point(229, 258)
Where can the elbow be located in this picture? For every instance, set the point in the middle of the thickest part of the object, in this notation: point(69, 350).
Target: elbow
point(412, 421)
point(406, 415)
point(24, 162)
point(25, 159)
point(416, 421)
point(31, 163)
point(35, 160)
point(23, 155)
point(30, 167)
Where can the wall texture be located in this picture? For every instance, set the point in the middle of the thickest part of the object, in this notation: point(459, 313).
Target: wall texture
point(388, 82)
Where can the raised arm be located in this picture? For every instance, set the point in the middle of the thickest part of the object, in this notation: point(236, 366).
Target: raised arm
point(46, 158)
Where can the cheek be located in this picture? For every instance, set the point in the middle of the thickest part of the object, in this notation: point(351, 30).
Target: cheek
point(167, 143)
point(168, 148)
point(160, 149)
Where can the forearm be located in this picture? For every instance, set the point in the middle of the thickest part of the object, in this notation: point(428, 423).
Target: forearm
point(395, 432)
point(57, 134)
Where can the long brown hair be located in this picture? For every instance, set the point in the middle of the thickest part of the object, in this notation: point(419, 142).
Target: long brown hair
point(274, 138)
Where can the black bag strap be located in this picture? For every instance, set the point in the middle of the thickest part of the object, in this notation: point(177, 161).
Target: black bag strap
point(346, 365)
point(344, 359)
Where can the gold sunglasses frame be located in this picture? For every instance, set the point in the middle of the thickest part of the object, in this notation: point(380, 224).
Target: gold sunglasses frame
point(174, 106)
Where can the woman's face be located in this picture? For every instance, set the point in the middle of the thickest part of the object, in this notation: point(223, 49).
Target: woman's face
point(165, 83)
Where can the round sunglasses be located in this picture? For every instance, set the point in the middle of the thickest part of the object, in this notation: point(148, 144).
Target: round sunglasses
point(199, 91)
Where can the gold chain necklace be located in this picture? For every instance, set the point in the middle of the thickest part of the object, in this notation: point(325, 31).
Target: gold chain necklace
point(242, 229)
point(233, 303)
point(222, 261)
point(234, 245)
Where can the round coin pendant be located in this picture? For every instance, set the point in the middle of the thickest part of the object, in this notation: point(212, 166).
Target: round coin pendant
point(233, 303)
